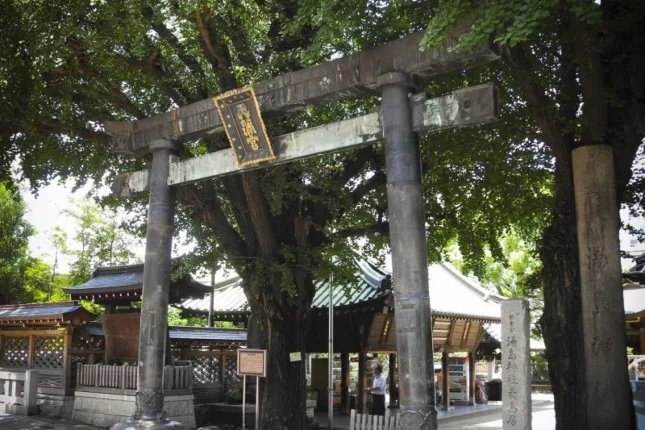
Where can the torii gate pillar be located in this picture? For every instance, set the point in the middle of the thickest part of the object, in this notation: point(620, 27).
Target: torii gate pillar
point(409, 258)
point(149, 412)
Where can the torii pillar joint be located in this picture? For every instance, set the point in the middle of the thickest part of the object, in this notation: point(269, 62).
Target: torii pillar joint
point(156, 286)
point(409, 259)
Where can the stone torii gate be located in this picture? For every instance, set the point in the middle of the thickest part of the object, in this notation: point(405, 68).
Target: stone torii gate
point(391, 69)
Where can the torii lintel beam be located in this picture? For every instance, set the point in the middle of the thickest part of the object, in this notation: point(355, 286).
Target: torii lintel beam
point(335, 80)
point(461, 108)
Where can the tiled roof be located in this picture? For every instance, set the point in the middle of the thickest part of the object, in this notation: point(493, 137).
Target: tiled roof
point(208, 334)
point(230, 298)
point(455, 295)
point(103, 281)
point(128, 278)
point(42, 311)
point(201, 334)
point(451, 294)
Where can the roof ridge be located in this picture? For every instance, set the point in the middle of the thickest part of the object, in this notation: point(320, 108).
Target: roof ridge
point(39, 305)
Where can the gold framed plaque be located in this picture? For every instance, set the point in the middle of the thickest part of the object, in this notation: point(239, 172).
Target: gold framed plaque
point(244, 127)
point(252, 362)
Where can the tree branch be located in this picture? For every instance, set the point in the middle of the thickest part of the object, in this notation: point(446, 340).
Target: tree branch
point(211, 212)
point(259, 212)
point(164, 33)
point(217, 61)
point(382, 228)
point(57, 127)
point(377, 180)
point(535, 96)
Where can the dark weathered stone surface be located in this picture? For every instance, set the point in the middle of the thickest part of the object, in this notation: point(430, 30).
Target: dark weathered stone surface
point(409, 260)
point(603, 316)
point(460, 108)
point(335, 80)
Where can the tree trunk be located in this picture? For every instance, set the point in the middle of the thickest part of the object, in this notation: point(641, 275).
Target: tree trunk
point(282, 324)
point(563, 306)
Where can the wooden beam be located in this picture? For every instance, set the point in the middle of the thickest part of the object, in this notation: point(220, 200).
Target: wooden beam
point(335, 80)
point(67, 363)
point(465, 107)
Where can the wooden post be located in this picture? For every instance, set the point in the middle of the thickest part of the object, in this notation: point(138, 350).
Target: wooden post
point(473, 377)
point(609, 401)
point(361, 400)
point(1, 346)
point(91, 357)
point(31, 352)
point(394, 395)
point(67, 361)
point(222, 376)
point(344, 381)
point(445, 380)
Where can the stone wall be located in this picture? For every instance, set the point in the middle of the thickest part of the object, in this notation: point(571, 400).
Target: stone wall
point(104, 410)
point(57, 406)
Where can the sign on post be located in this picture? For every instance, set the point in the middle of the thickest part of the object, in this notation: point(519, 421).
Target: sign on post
point(251, 362)
point(242, 121)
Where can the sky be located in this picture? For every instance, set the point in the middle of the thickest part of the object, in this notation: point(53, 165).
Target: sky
point(46, 211)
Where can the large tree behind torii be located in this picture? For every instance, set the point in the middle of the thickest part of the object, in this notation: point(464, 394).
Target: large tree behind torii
point(75, 67)
point(579, 67)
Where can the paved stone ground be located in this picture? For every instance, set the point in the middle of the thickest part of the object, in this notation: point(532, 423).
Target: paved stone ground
point(543, 417)
point(18, 422)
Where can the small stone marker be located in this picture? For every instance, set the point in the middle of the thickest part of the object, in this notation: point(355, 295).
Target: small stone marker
point(516, 366)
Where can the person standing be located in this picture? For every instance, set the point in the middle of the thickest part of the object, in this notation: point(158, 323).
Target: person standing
point(378, 392)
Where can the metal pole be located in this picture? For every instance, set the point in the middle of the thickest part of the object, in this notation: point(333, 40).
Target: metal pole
point(330, 361)
point(409, 260)
point(244, 403)
point(257, 402)
point(212, 302)
point(154, 302)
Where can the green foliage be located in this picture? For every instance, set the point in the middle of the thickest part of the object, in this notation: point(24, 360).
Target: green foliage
point(20, 274)
point(504, 23)
point(175, 319)
point(100, 241)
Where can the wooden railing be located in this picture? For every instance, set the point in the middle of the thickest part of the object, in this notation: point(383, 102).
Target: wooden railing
point(108, 378)
point(19, 392)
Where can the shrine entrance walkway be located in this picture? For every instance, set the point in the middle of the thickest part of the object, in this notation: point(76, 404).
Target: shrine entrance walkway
point(484, 417)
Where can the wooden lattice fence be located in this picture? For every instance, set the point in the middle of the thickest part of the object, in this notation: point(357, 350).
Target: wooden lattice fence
point(15, 352)
point(49, 352)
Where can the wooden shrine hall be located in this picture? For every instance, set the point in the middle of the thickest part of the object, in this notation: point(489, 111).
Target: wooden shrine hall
point(81, 365)
point(461, 312)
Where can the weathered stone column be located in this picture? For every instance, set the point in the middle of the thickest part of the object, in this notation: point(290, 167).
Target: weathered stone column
point(603, 315)
point(516, 366)
point(154, 303)
point(409, 259)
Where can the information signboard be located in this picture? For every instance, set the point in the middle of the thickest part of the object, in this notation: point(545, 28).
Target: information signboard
point(252, 362)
